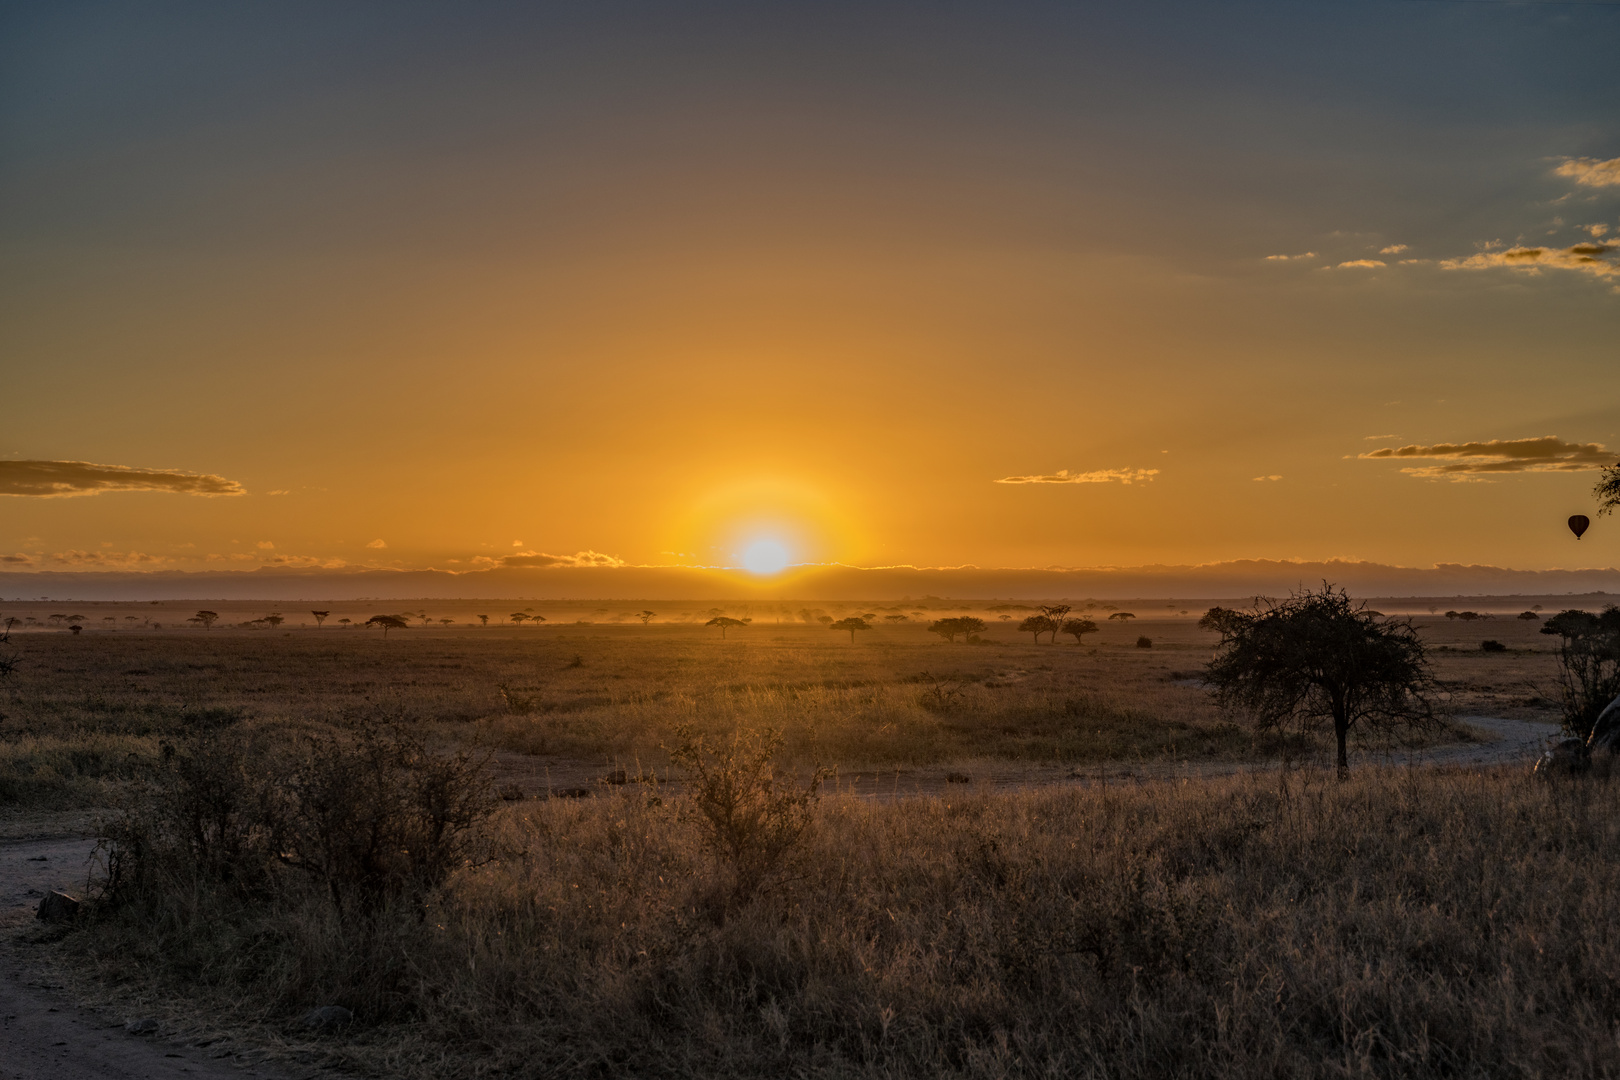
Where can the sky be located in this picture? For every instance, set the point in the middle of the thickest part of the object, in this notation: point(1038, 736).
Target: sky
point(487, 286)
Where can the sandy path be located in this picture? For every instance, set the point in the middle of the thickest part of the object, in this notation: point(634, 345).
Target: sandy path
point(44, 1036)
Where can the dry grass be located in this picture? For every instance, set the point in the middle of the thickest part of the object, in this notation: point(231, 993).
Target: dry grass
point(1401, 923)
point(82, 709)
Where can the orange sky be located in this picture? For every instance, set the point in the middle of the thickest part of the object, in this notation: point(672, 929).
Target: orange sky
point(457, 288)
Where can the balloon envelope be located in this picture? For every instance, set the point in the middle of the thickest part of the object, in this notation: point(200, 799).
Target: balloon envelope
point(1578, 524)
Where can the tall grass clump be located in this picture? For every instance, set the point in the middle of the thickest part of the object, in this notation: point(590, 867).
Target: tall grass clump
point(1398, 923)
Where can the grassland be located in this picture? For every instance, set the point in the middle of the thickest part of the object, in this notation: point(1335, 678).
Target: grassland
point(1408, 922)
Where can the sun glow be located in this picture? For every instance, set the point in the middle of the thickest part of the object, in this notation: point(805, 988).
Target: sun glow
point(765, 557)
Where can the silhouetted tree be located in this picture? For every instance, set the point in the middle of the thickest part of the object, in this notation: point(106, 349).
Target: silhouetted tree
point(387, 622)
point(517, 618)
point(1121, 616)
point(1316, 657)
point(646, 616)
point(537, 619)
point(1056, 613)
point(896, 618)
point(1078, 629)
point(1588, 665)
point(320, 618)
point(1037, 625)
point(965, 625)
point(274, 620)
point(851, 624)
point(1528, 616)
point(76, 628)
point(483, 620)
point(344, 623)
point(1607, 489)
point(725, 622)
point(206, 618)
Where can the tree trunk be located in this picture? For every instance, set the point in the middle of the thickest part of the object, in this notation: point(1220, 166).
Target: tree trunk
point(1340, 731)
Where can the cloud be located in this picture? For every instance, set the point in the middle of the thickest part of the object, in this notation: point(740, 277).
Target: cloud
point(1595, 230)
point(1476, 460)
point(1273, 476)
point(267, 545)
point(1393, 249)
point(1591, 257)
point(1361, 264)
point(60, 479)
point(18, 559)
point(305, 561)
point(1374, 438)
point(279, 491)
point(1287, 258)
point(108, 559)
point(1592, 172)
point(540, 558)
point(1099, 476)
point(378, 543)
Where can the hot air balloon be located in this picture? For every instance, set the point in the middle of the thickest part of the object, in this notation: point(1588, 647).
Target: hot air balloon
point(1579, 524)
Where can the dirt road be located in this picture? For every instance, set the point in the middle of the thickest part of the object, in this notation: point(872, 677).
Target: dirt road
point(43, 1035)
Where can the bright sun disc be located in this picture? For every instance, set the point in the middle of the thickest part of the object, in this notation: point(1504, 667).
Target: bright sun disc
point(765, 557)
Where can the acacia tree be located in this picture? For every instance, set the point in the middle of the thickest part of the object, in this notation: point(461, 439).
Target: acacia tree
point(1121, 616)
point(1055, 613)
point(725, 622)
point(851, 624)
point(320, 618)
point(1037, 625)
point(206, 618)
point(1317, 657)
point(1588, 665)
point(1078, 629)
point(274, 620)
point(1607, 489)
point(645, 616)
point(517, 617)
point(387, 622)
point(966, 625)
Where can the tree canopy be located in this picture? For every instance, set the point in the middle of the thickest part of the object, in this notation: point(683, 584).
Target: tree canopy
point(851, 624)
point(725, 622)
point(1038, 625)
point(1607, 489)
point(1317, 657)
point(1078, 629)
point(1588, 665)
point(964, 625)
point(387, 622)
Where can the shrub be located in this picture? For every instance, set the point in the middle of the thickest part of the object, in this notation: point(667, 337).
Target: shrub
point(1144, 643)
point(1492, 646)
point(753, 815)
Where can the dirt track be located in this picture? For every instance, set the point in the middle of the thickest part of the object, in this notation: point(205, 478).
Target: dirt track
point(46, 1037)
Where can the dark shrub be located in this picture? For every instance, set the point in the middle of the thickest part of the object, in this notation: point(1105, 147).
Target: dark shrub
point(1492, 646)
point(1144, 643)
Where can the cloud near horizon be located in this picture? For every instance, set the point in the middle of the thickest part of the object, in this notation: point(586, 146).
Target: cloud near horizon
point(63, 479)
point(1472, 460)
point(540, 559)
point(1592, 172)
point(111, 560)
point(1098, 476)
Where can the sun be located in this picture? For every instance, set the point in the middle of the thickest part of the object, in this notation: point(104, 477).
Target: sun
point(765, 556)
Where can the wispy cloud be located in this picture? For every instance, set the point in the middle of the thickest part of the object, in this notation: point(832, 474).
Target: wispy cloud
point(378, 543)
point(1478, 460)
point(1098, 476)
point(305, 562)
point(540, 558)
point(18, 559)
point(1361, 264)
point(1592, 172)
point(60, 479)
point(1393, 249)
point(1590, 257)
point(1263, 479)
point(111, 560)
point(1290, 258)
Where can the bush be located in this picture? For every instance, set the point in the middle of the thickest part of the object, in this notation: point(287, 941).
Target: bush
point(1492, 646)
point(754, 816)
point(1144, 643)
point(372, 816)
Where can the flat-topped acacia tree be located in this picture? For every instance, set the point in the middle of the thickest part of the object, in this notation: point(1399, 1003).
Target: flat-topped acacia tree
point(387, 622)
point(725, 622)
point(851, 624)
point(320, 618)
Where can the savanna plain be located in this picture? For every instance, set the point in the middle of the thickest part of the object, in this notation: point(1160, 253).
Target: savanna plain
point(580, 847)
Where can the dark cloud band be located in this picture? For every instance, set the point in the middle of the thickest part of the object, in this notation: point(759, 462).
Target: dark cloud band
point(60, 479)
